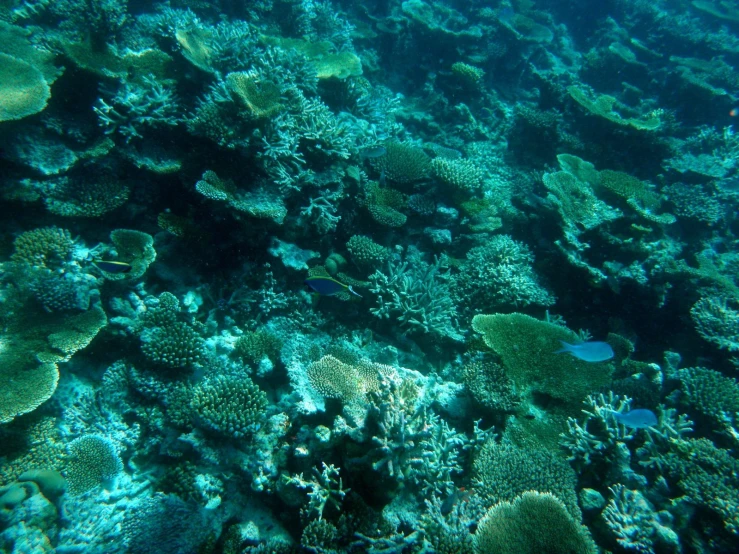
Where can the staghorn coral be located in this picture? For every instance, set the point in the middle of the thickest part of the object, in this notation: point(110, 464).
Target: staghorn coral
point(325, 488)
point(136, 106)
point(230, 406)
point(532, 523)
point(92, 460)
point(631, 519)
point(416, 295)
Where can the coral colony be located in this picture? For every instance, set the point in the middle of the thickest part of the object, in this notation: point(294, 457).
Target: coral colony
point(385, 277)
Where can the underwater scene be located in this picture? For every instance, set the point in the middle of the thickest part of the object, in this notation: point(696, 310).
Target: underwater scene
point(389, 276)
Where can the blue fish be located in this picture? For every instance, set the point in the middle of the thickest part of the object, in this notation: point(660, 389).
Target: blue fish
point(588, 351)
point(327, 286)
point(636, 419)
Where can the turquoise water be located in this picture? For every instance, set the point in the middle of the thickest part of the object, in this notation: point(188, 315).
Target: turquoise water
point(293, 275)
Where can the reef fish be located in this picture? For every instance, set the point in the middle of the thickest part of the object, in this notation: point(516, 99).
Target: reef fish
point(588, 351)
point(373, 151)
point(112, 266)
point(637, 419)
point(327, 286)
point(459, 495)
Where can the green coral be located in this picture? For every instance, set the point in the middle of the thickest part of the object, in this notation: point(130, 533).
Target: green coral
point(468, 76)
point(403, 163)
point(167, 341)
point(527, 349)
point(231, 406)
point(43, 247)
point(707, 475)
point(709, 392)
point(332, 378)
point(135, 248)
point(609, 108)
point(86, 197)
point(92, 460)
point(499, 273)
point(532, 523)
point(502, 471)
point(490, 386)
point(461, 175)
point(365, 252)
point(253, 346)
point(716, 318)
point(384, 203)
point(258, 204)
point(23, 92)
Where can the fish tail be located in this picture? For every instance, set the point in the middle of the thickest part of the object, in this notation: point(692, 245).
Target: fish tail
point(565, 348)
point(352, 291)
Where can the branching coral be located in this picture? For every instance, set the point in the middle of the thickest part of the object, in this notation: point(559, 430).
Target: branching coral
point(324, 489)
point(717, 320)
point(92, 461)
point(136, 106)
point(365, 252)
point(231, 406)
point(417, 296)
point(90, 196)
point(500, 273)
point(167, 341)
point(631, 519)
point(403, 163)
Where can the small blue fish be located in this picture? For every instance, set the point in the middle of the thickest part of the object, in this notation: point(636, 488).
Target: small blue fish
point(588, 351)
point(327, 286)
point(112, 266)
point(636, 419)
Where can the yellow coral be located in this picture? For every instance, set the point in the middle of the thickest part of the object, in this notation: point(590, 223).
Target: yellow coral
point(340, 65)
point(260, 97)
point(469, 75)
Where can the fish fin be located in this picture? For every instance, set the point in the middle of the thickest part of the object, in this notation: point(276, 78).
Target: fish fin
point(566, 347)
point(352, 291)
